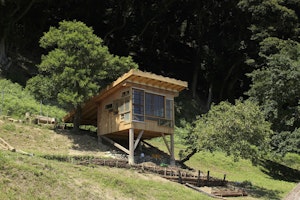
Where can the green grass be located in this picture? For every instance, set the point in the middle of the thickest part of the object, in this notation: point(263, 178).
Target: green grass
point(263, 184)
point(24, 177)
point(16, 101)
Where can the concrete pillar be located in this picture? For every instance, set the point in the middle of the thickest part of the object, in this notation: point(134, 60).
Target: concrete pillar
point(172, 157)
point(131, 147)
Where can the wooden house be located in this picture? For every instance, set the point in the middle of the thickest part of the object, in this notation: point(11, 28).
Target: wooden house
point(138, 105)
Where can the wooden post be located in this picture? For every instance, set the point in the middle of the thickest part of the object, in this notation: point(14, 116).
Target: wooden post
point(131, 147)
point(207, 176)
point(198, 180)
point(172, 158)
point(138, 139)
point(116, 144)
point(224, 177)
point(166, 143)
point(179, 177)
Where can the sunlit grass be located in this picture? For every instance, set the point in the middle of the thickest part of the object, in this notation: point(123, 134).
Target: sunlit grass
point(24, 177)
point(263, 185)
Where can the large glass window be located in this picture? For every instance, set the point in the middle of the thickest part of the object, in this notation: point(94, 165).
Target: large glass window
point(155, 105)
point(138, 104)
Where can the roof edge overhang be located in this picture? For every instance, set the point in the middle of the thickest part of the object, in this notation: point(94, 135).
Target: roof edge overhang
point(133, 76)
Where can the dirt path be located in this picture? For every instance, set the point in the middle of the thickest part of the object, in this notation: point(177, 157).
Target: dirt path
point(294, 194)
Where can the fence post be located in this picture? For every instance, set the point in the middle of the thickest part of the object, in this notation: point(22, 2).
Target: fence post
point(198, 180)
point(207, 176)
point(179, 177)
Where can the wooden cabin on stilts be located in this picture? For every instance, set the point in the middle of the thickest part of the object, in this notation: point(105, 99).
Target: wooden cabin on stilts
point(137, 106)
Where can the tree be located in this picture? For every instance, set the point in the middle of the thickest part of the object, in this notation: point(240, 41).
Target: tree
point(276, 87)
point(239, 130)
point(10, 13)
point(200, 41)
point(76, 67)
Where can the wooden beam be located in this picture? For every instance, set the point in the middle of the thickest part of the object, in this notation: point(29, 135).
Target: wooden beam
point(199, 190)
point(138, 139)
point(166, 142)
point(131, 146)
point(172, 160)
point(150, 145)
point(172, 156)
point(116, 144)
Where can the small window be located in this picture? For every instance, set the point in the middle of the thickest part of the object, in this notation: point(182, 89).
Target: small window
point(109, 106)
point(124, 94)
point(123, 105)
point(125, 117)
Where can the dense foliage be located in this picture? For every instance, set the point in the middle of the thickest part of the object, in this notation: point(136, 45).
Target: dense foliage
point(15, 102)
point(77, 66)
point(239, 130)
point(276, 86)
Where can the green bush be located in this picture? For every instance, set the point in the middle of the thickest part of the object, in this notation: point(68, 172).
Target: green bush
point(15, 102)
point(9, 127)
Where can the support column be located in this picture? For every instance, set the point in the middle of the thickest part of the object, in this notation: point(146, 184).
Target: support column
point(172, 157)
point(131, 147)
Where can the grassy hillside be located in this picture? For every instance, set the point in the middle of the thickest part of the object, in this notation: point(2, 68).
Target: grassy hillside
point(262, 182)
point(25, 177)
point(15, 102)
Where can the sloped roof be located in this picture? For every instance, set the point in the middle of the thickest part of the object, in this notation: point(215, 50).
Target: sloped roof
point(89, 109)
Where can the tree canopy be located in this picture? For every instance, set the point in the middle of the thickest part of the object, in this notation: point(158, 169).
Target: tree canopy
point(239, 130)
point(76, 66)
point(276, 86)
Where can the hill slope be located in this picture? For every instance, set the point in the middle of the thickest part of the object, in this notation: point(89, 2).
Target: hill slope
point(25, 177)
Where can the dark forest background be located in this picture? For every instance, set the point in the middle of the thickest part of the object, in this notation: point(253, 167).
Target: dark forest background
point(225, 49)
point(204, 43)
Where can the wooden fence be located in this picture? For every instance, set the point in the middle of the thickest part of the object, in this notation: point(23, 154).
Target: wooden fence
point(174, 174)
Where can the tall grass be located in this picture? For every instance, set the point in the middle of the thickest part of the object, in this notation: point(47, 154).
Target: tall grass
point(15, 102)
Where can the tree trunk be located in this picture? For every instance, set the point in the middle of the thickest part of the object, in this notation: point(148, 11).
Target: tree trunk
point(77, 119)
point(197, 67)
point(188, 156)
point(4, 61)
point(6, 25)
point(209, 97)
point(225, 81)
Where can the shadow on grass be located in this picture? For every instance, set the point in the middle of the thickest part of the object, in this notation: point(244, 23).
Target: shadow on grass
point(280, 172)
point(82, 140)
point(276, 171)
point(259, 192)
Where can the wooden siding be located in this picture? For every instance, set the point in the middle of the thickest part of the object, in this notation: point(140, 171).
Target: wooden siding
point(101, 111)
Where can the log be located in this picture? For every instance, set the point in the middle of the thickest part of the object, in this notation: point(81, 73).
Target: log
point(230, 193)
point(199, 190)
point(4, 143)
